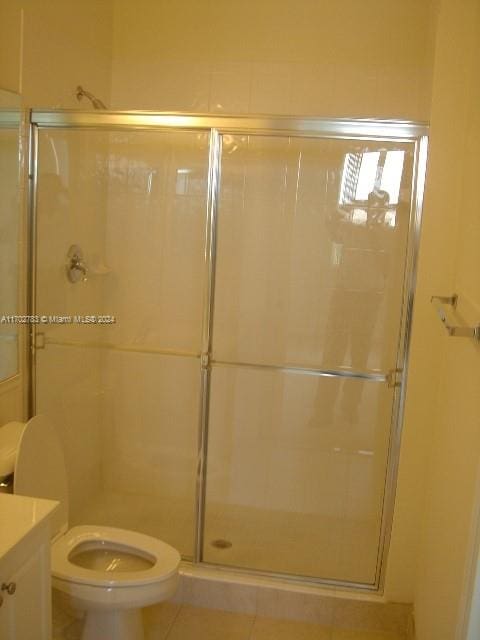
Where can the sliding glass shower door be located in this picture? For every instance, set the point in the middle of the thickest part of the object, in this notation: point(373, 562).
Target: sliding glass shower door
point(238, 392)
point(311, 253)
point(123, 391)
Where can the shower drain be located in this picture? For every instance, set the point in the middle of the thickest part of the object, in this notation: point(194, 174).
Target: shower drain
point(221, 544)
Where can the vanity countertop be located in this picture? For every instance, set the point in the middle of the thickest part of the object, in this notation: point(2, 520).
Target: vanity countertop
point(19, 515)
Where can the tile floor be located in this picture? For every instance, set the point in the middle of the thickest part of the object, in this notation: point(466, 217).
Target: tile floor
point(171, 621)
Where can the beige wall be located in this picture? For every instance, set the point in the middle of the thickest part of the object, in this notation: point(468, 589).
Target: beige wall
point(48, 47)
point(11, 33)
point(451, 262)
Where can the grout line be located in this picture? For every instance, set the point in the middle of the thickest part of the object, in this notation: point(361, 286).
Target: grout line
point(174, 620)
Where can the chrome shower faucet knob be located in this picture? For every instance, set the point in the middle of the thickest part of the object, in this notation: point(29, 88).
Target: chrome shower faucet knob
point(75, 267)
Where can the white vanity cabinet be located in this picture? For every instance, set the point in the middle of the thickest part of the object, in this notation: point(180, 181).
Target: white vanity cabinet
point(25, 583)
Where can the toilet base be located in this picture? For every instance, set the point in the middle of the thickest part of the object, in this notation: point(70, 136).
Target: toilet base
point(120, 624)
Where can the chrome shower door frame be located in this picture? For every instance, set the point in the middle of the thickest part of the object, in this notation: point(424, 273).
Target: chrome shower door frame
point(217, 126)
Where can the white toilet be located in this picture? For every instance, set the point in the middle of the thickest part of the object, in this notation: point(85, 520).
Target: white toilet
point(108, 573)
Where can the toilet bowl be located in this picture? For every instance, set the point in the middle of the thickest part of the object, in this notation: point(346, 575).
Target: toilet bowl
point(108, 573)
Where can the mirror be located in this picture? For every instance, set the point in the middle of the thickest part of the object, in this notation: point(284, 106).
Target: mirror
point(10, 119)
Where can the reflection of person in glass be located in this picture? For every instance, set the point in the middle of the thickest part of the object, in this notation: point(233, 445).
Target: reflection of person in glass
point(361, 236)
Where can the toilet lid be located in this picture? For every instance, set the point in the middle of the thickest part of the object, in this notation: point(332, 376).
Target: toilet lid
point(40, 468)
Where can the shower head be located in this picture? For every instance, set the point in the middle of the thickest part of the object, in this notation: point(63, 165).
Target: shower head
point(96, 102)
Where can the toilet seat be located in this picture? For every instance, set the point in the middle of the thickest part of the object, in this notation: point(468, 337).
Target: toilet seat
point(165, 558)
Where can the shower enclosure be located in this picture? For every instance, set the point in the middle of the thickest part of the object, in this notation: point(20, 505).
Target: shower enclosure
point(222, 312)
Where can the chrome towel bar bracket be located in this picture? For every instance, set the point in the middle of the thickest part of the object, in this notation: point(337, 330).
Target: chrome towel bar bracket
point(453, 327)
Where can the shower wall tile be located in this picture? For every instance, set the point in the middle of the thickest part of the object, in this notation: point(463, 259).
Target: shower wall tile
point(285, 89)
point(392, 90)
point(71, 210)
point(154, 239)
point(356, 84)
point(298, 280)
point(184, 86)
point(341, 58)
point(312, 89)
point(69, 393)
point(230, 87)
point(150, 424)
point(271, 86)
point(128, 420)
point(149, 444)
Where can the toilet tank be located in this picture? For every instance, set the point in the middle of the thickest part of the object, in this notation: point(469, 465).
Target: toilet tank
point(38, 465)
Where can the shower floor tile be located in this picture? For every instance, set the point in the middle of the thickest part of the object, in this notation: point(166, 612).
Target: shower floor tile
point(310, 544)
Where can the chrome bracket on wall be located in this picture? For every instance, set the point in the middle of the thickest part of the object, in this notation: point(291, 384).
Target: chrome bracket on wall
point(394, 378)
point(452, 325)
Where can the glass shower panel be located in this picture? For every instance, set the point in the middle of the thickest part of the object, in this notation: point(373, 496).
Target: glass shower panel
point(311, 254)
point(124, 394)
point(312, 237)
point(154, 238)
point(296, 472)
